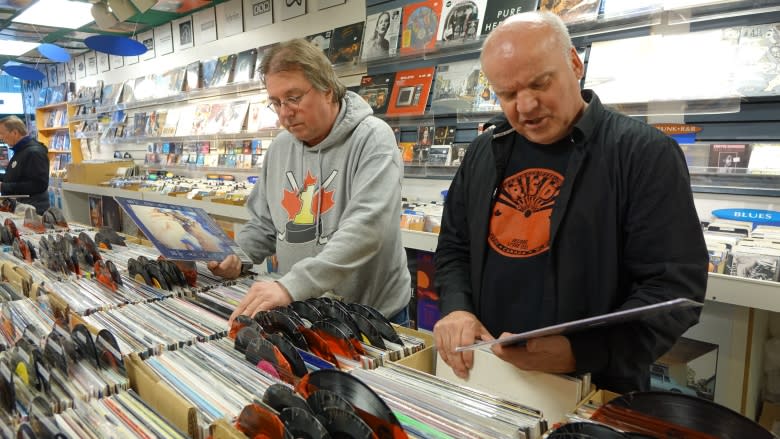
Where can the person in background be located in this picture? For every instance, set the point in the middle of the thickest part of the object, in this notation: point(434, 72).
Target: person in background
point(328, 199)
point(591, 212)
point(28, 171)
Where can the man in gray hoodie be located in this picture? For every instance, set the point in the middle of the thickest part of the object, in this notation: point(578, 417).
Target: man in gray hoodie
point(327, 202)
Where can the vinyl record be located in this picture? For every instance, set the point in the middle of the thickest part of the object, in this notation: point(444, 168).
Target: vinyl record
point(289, 312)
point(585, 430)
point(275, 321)
point(306, 310)
point(242, 331)
point(84, 343)
point(343, 424)
point(54, 353)
point(137, 271)
point(10, 226)
point(380, 322)
point(261, 350)
point(115, 276)
point(355, 392)
point(676, 411)
point(6, 236)
point(302, 424)
point(280, 397)
point(244, 337)
point(336, 338)
point(181, 280)
point(339, 312)
point(287, 349)
point(318, 346)
point(256, 421)
point(369, 333)
point(109, 355)
point(321, 399)
point(33, 253)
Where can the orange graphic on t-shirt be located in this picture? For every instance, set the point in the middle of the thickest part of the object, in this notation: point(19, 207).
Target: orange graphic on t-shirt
point(520, 221)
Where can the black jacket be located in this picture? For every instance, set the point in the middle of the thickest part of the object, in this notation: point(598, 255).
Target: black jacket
point(624, 233)
point(28, 174)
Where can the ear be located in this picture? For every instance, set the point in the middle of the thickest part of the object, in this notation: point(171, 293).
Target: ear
point(576, 64)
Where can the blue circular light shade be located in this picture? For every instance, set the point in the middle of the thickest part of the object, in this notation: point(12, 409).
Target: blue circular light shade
point(23, 72)
point(115, 45)
point(54, 52)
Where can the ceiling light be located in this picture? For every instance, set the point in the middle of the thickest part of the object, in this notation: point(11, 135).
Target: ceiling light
point(57, 13)
point(16, 48)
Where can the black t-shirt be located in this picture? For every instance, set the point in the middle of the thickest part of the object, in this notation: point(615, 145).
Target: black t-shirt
point(519, 236)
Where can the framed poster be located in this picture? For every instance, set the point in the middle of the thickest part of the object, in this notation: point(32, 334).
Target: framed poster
point(292, 8)
point(147, 38)
point(102, 60)
point(204, 25)
point(229, 20)
point(163, 39)
point(81, 67)
point(325, 4)
point(91, 59)
point(182, 33)
point(117, 61)
point(258, 13)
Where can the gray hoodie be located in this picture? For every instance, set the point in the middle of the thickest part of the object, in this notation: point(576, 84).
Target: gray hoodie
point(331, 212)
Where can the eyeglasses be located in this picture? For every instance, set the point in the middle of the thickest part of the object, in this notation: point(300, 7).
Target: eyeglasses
point(291, 102)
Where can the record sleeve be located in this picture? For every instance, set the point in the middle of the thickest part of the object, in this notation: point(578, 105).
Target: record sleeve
point(572, 11)
point(729, 158)
point(420, 26)
point(181, 232)
point(245, 65)
point(376, 91)
point(410, 92)
point(456, 87)
point(497, 11)
point(764, 159)
point(321, 40)
point(346, 43)
point(380, 37)
point(223, 73)
point(603, 320)
point(460, 20)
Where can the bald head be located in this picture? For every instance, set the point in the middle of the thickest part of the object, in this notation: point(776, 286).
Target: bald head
point(545, 25)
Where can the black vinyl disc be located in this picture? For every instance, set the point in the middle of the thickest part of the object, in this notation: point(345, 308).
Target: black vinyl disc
point(33, 253)
point(369, 331)
point(6, 236)
point(138, 272)
point(585, 430)
point(306, 310)
point(102, 240)
point(380, 322)
point(337, 311)
point(292, 356)
point(302, 424)
point(321, 399)
point(176, 273)
point(289, 312)
point(244, 337)
point(158, 280)
point(693, 413)
point(275, 321)
point(280, 397)
point(7, 394)
point(55, 353)
point(84, 343)
point(109, 355)
point(343, 424)
point(114, 272)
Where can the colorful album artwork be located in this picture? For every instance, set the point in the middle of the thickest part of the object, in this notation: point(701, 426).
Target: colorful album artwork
point(181, 232)
point(420, 26)
point(410, 92)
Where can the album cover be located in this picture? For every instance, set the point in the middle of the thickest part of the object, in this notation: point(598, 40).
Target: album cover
point(128, 94)
point(207, 70)
point(111, 94)
point(697, 157)
point(755, 265)
point(112, 215)
point(419, 26)
point(572, 11)
point(758, 58)
point(460, 20)
point(201, 118)
point(321, 40)
point(245, 66)
point(729, 158)
point(171, 121)
point(380, 38)
point(629, 8)
point(376, 91)
point(139, 124)
point(192, 76)
point(181, 232)
point(345, 44)
point(764, 159)
point(410, 92)
point(223, 73)
point(613, 318)
point(261, 51)
point(95, 210)
point(439, 155)
point(444, 135)
point(185, 120)
point(456, 87)
point(458, 152)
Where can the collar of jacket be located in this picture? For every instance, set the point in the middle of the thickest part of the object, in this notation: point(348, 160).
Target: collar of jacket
point(21, 144)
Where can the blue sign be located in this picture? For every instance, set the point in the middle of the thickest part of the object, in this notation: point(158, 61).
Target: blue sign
point(756, 216)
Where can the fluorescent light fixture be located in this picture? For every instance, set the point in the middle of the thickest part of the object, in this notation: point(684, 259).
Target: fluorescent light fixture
point(57, 13)
point(16, 48)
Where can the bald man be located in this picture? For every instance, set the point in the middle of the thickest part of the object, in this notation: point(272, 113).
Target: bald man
point(564, 210)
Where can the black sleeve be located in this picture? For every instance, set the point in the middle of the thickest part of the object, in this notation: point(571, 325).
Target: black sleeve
point(452, 259)
point(36, 171)
point(664, 257)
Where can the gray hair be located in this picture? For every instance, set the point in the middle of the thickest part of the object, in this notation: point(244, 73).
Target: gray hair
point(301, 55)
point(540, 19)
point(13, 123)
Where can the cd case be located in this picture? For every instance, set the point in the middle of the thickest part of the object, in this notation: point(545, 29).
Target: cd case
point(609, 319)
point(181, 232)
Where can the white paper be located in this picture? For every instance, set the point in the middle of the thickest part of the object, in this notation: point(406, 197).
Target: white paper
point(204, 24)
point(291, 9)
point(117, 61)
point(163, 39)
point(91, 59)
point(229, 19)
point(147, 38)
point(258, 13)
point(102, 59)
point(182, 33)
point(81, 67)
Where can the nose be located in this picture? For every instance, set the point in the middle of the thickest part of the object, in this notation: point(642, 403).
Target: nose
point(526, 102)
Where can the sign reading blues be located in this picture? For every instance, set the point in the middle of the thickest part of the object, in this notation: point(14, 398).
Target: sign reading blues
point(756, 216)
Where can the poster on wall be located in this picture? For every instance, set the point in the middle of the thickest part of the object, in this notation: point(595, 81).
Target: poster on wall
point(51, 73)
point(204, 25)
point(116, 61)
point(258, 13)
point(81, 67)
point(61, 69)
point(102, 60)
point(292, 8)
point(91, 63)
point(163, 39)
point(147, 38)
point(325, 4)
point(182, 33)
point(229, 20)
point(70, 69)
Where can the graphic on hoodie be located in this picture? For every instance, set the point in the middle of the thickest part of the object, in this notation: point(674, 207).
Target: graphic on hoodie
point(305, 204)
point(520, 223)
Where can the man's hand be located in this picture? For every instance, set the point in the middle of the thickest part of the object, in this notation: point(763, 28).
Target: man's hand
point(229, 268)
point(551, 354)
point(260, 297)
point(458, 328)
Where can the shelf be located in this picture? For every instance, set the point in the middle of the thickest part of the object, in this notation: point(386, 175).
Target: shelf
point(52, 106)
point(751, 293)
point(59, 151)
point(52, 129)
point(82, 118)
point(196, 138)
point(202, 169)
point(424, 241)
